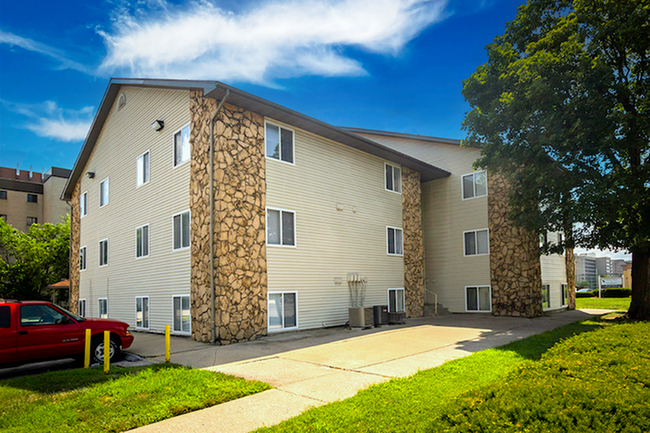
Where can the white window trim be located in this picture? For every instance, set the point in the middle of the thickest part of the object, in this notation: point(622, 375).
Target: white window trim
point(100, 254)
point(478, 303)
point(148, 312)
point(295, 228)
point(99, 310)
point(403, 298)
point(86, 261)
point(268, 319)
point(148, 238)
point(293, 144)
point(172, 321)
point(85, 307)
point(137, 160)
point(462, 196)
point(386, 232)
point(85, 194)
point(400, 178)
point(182, 248)
point(174, 147)
point(108, 195)
point(476, 240)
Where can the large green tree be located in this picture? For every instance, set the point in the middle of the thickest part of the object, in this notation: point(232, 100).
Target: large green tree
point(562, 109)
point(31, 261)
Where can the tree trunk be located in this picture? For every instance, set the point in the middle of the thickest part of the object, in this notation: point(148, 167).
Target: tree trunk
point(640, 305)
point(570, 278)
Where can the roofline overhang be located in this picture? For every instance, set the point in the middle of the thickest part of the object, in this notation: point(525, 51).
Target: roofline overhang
point(402, 135)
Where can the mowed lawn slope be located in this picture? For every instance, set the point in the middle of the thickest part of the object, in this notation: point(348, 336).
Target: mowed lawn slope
point(587, 376)
point(603, 303)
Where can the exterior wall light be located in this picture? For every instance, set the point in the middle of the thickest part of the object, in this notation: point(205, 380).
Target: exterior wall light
point(158, 125)
point(90, 174)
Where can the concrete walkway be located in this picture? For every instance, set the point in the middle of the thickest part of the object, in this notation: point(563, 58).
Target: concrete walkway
point(313, 368)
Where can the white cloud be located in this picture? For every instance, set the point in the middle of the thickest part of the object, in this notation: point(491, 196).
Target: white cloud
point(275, 39)
point(51, 121)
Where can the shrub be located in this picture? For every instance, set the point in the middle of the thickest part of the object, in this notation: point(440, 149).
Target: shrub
point(586, 294)
point(623, 292)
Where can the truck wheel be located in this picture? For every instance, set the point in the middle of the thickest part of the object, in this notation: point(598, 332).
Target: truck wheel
point(97, 350)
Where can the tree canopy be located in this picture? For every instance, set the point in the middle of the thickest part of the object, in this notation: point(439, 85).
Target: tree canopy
point(562, 109)
point(31, 261)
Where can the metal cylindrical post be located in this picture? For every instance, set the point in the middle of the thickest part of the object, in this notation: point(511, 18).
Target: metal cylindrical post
point(107, 351)
point(167, 343)
point(87, 349)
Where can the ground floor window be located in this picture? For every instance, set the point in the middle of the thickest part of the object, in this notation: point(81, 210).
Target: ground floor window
point(395, 300)
point(282, 310)
point(565, 295)
point(182, 318)
point(546, 296)
point(479, 298)
point(142, 312)
point(103, 308)
point(81, 311)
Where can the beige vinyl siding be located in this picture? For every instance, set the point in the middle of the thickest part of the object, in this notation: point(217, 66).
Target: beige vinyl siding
point(445, 217)
point(554, 273)
point(126, 134)
point(331, 242)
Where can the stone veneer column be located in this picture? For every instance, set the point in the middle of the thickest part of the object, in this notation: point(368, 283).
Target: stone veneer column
point(239, 222)
point(515, 268)
point(75, 232)
point(570, 264)
point(413, 243)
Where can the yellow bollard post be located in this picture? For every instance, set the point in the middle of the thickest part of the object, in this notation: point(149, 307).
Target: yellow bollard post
point(87, 350)
point(107, 353)
point(167, 343)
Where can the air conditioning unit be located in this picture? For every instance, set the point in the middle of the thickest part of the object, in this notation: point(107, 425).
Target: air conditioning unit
point(397, 317)
point(380, 314)
point(361, 317)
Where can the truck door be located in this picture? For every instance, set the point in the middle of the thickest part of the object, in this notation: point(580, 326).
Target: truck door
point(44, 332)
point(7, 335)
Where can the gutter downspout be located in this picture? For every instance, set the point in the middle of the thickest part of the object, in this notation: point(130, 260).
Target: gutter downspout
point(212, 300)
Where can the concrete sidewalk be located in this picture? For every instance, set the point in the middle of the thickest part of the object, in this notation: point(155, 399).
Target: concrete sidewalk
point(317, 367)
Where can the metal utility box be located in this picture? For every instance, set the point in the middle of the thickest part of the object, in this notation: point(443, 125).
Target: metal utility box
point(397, 317)
point(361, 317)
point(380, 314)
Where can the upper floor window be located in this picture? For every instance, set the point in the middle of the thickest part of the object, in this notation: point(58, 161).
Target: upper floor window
point(281, 227)
point(393, 177)
point(103, 252)
point(3, 195)
point(182, 146)
point(82, 259)
point(279, 143)
point(103, 192)
point(475, 185)
point(142, 241)
point(142, 169)
point(477, 242)
point(181, 230)
point(395, 241)
point(32, 198)
point(31, 220)
point(83, 204)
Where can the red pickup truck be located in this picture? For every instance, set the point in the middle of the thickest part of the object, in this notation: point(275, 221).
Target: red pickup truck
point(32, 331)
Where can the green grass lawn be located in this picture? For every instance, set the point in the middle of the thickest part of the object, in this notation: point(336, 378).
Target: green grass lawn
point(81, 400)
point(604, 303)
point(588, 376)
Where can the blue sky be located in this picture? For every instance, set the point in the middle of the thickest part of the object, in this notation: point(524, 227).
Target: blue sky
point(394, 65)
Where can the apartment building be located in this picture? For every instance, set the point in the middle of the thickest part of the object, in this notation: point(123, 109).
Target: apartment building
point(227, 216)
point(28, 197)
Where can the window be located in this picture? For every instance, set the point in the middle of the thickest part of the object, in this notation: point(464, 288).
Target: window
point(103, 308)
point(142, 241)
point(543, 239)
point(546, 296)
point(103, 193)
point(282, 310)
point(32, 198)
point(83, 204)
point(182, 146)
point(82, 259)
point(3, 217)
point(31, 220)
point(281, 227)
point(393, 177)
point(565, 294)
point(5, 316)
point(103, 252)
point(395, 300)
point(3, 195)
point(475, 185)
point(395, 241)
point(478, 299)
point(142, 171)
point(181, 230)
point(477, 242)
point(142, 312)
point(182, 319)
point(39, 315)
point(81, 308)
point(279, 143)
